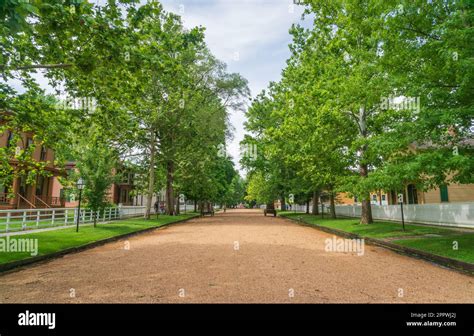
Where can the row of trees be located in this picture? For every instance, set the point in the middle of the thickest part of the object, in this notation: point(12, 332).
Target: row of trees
point(156, 97)
point(375, 95)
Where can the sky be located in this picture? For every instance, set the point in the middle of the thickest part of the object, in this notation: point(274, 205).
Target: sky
point(250, 36)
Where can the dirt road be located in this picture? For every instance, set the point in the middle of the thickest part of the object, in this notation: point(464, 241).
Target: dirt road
point(239, 256)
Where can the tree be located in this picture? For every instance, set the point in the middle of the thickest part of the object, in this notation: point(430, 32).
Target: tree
point(261, 189)
point(333, 123)
point(160, 97)
point(96, 162)
point(235, 192)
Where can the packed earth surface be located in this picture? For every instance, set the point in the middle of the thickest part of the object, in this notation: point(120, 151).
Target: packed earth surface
point(237, 256)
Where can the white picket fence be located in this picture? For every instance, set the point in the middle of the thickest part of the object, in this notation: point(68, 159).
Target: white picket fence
point(445, 214)
point(448, 214)
point(30, 219)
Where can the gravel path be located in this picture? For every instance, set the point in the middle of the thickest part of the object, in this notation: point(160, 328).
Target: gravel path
point(239, 256)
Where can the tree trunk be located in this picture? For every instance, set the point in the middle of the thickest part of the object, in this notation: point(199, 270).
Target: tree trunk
point(283, 204)
point(95, 218)
point(169, 188)
point(177, 206)
point(151, 176)
point(332, 205)
point(195, 205)
point(366, 215)
point(307, 206)
point(315, 210)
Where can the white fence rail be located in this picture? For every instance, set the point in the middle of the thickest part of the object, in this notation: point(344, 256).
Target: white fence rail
point(30, 219)
point(449, 214)
point(301, 208)
point(132, 211)
point(446, 214)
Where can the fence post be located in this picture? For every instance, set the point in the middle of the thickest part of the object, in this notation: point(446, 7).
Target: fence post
point(65, 217)
point(53, 215)
point(37, 218)
point(8, 221)
point(110, 213)
point(103, 217)
point(23, 223)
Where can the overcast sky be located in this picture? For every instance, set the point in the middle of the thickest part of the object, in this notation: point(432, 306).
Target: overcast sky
point(251, 36)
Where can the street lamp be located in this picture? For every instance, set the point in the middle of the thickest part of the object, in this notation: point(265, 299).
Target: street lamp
point(400, 201)
point(80, 185)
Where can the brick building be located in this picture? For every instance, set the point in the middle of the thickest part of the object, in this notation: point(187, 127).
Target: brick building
point(47, 191)
point(42, 192)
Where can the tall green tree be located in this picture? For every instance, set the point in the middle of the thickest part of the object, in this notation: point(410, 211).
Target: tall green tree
point(97, 164)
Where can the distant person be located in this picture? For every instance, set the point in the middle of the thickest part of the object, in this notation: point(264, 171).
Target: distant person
point(156, 205)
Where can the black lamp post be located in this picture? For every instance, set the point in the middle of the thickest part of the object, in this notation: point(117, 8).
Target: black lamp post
point(400, 201)
point(80, 185)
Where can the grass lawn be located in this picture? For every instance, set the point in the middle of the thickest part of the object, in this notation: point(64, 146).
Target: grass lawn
point(57, 240)
point(442, 245)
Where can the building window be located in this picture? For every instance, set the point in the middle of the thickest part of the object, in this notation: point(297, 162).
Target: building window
point(9, 139)
point(443, 190)
point(29, 142)
point(393, 197)
point(23, 187)
point(383, 197)
point(412, 194)
point(43, 153)
point(40, 185)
